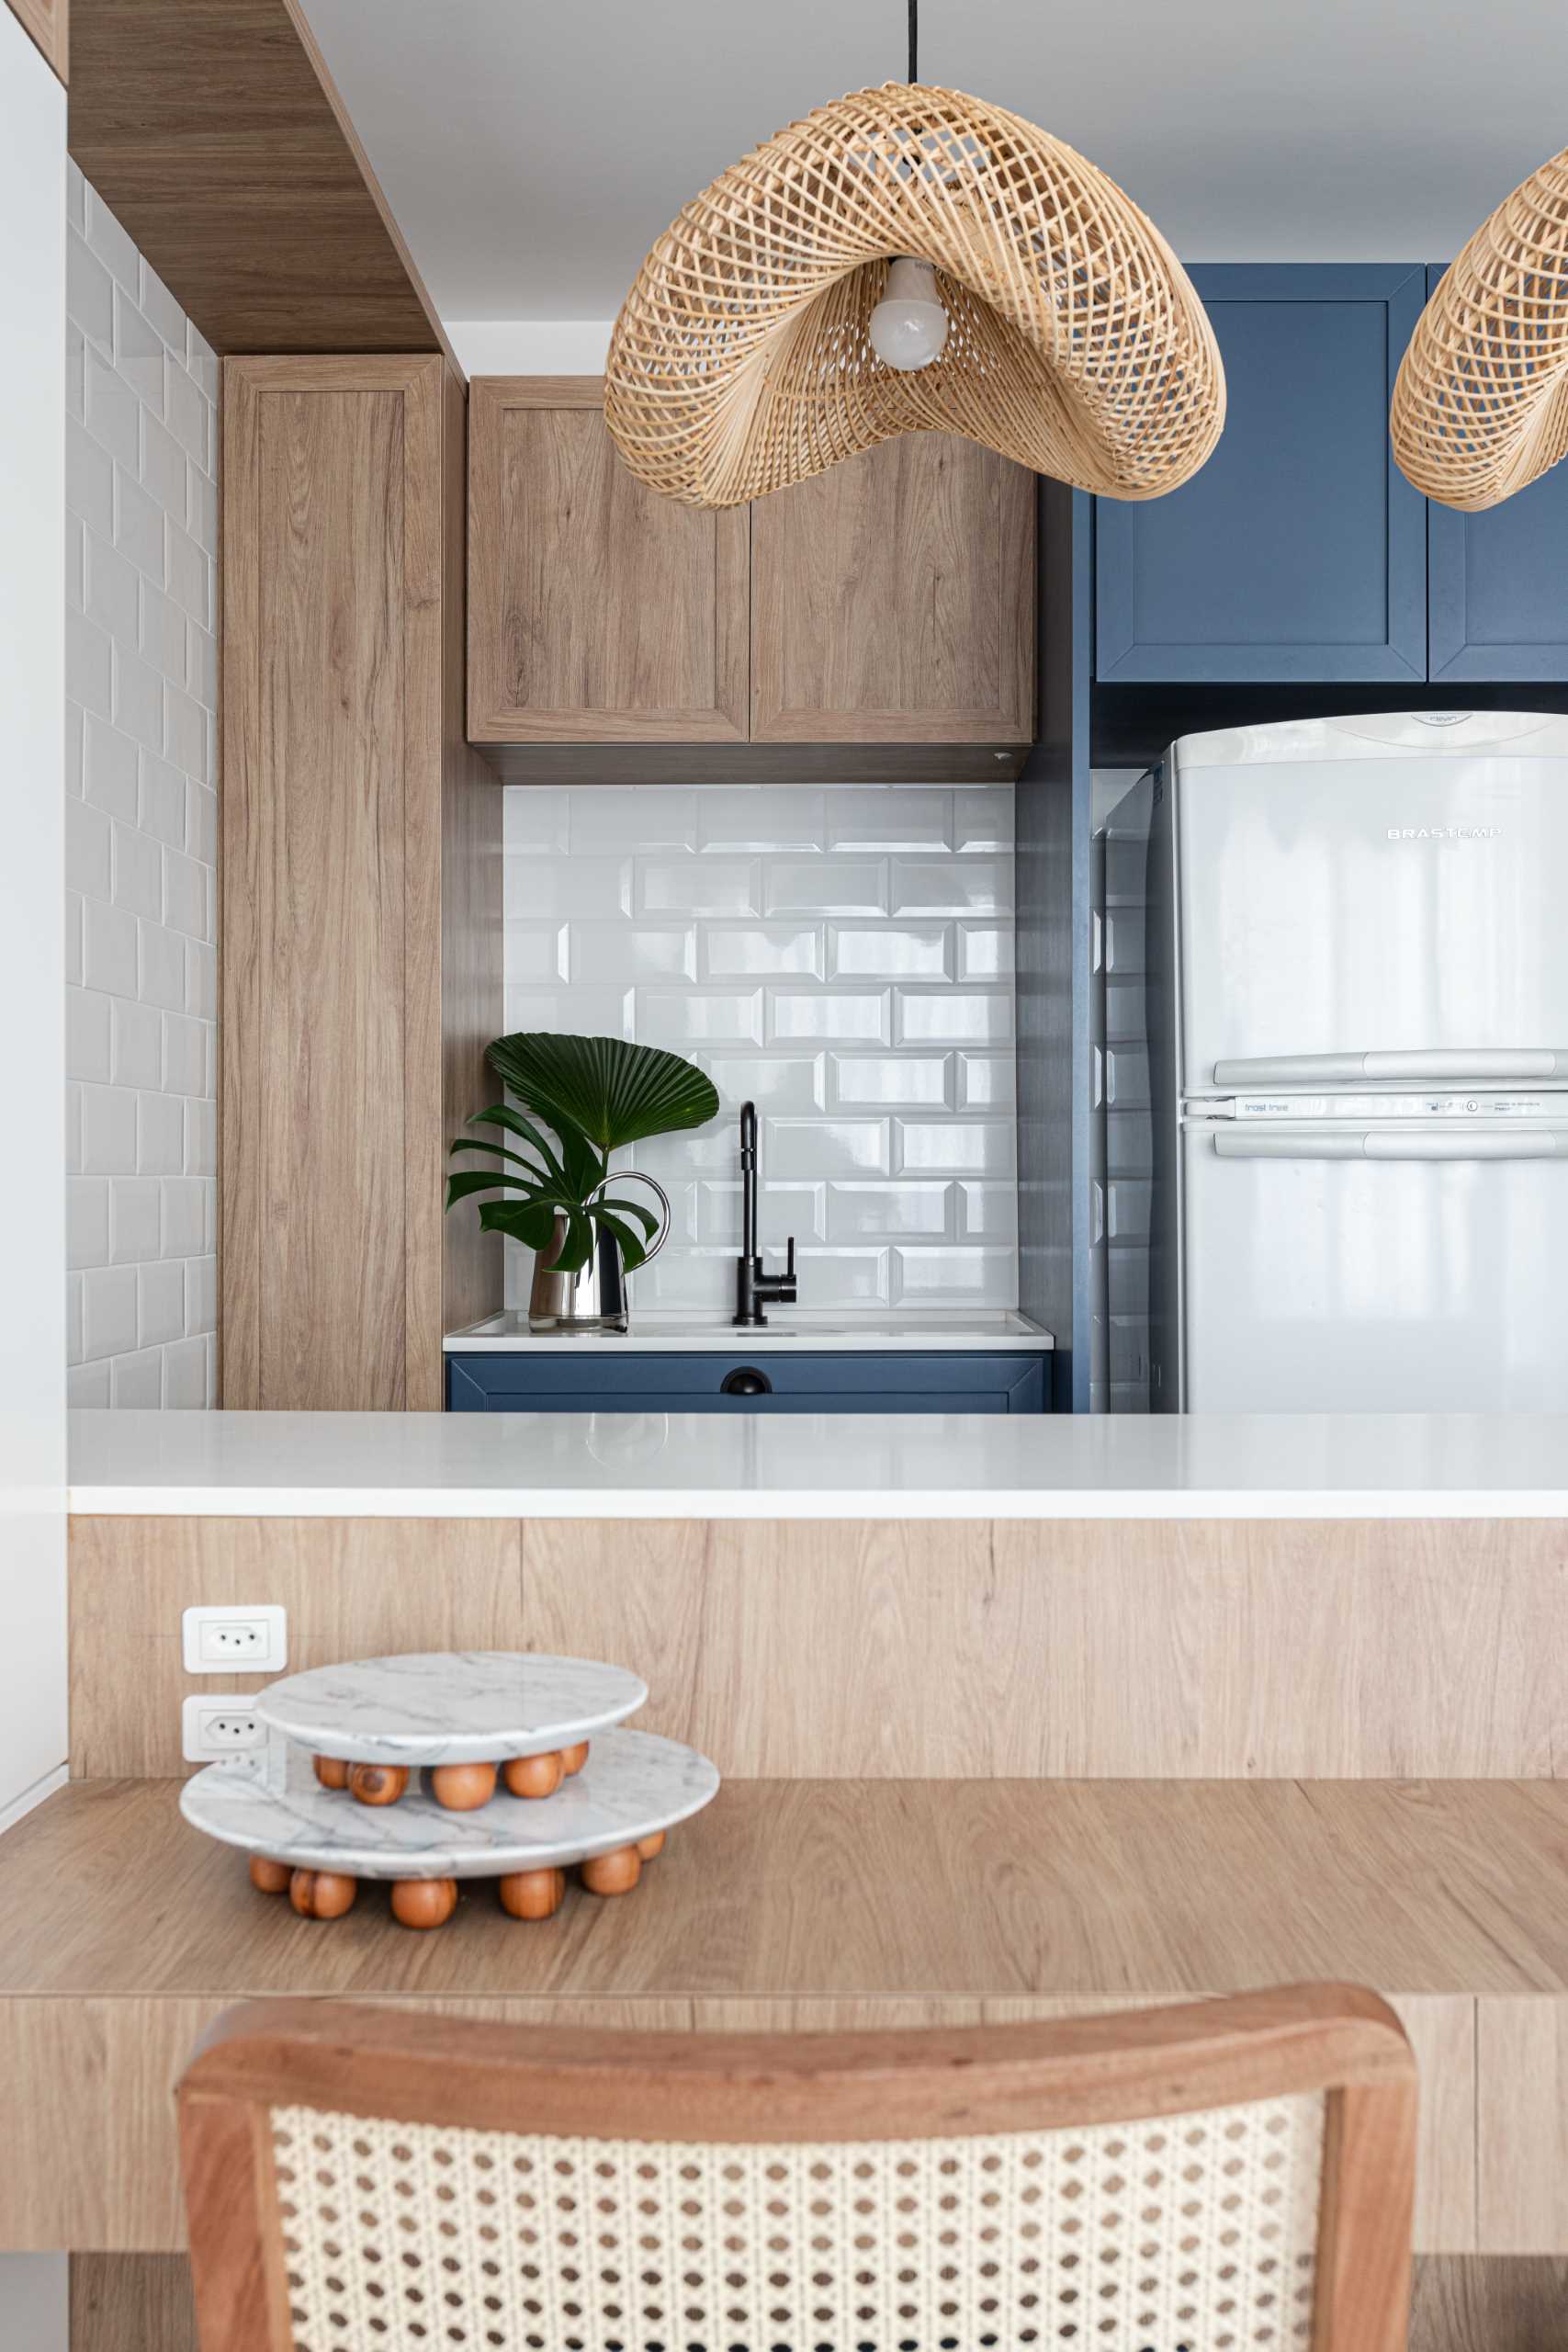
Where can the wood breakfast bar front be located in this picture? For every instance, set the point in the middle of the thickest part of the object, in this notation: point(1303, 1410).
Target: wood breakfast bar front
point(1016, 1716)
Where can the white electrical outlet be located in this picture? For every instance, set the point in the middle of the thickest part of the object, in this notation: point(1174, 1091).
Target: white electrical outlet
point(212, 1728)
point(248, 1637)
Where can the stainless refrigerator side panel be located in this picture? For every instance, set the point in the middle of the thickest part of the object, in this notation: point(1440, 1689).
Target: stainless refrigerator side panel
point(1163, 1001)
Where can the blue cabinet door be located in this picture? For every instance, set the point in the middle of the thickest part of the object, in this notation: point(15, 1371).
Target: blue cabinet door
point(603, 1380)
point(1497, 583)
point(1300, 551)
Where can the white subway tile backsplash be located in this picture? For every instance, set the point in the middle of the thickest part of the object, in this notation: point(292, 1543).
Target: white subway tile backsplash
point(953, 1017)
point(824, 885)
point(761, 951)
point(142, 840)
point(890, 1082)
point(921, 1210)
point(760, 817)
point(863, 1019)
point(750, 927)
point(890, 951)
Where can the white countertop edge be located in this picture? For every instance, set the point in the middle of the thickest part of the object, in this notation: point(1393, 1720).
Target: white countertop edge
point(1004, 1331)
point(600, 1503)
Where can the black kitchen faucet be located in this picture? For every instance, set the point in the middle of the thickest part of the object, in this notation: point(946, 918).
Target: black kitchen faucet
point(753, 1288)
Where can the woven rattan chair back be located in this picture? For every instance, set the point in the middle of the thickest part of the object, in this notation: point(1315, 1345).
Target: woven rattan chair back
point(1230, 2178)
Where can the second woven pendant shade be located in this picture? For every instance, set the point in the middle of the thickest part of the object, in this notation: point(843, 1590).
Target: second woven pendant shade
point(742, 359)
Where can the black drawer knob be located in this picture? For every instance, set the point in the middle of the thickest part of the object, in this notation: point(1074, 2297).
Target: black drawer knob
point(746, 1383)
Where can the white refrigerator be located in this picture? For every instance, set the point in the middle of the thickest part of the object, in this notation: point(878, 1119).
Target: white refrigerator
point(1357, 1013)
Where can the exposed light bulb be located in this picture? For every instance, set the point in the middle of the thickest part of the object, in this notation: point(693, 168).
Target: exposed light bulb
point(909, 326)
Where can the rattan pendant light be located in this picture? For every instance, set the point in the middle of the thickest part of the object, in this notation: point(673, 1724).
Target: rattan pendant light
point(1481, 402)
point(743, 358)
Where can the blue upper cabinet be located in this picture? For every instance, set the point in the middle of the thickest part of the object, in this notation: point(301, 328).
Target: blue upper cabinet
point(1497, 583)
point(1300, 551)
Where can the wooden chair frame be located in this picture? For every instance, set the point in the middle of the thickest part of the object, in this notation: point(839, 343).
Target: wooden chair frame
point(741, 2088)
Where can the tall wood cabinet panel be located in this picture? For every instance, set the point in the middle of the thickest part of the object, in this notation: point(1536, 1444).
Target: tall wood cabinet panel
point(48, 23)
point(599, 611)
point(892, 599)
point(361, 883)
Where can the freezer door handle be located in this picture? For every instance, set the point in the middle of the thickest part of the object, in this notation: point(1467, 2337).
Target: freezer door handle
point(1522, 1143)
point(1447, 1061)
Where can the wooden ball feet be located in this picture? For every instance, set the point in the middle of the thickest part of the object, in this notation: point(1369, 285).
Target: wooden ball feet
point(376, 1783)
point(572, 1759)
point(424, 1902)
point(321, 1895)
point(271, 1878)
point(532, 1894)
point(535, 1776)
point(648, 1847)
point(614, 1873)
point(462, 1787)
point(331, 1772)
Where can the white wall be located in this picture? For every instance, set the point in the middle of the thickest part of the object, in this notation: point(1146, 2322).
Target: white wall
point(32, 1174)
point(845, 957)
point(142, 828)
point(530, 346)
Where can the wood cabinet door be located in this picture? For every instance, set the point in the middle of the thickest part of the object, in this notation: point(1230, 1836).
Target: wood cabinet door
point(893, 600)
point(598, 611)
point(1299, 551)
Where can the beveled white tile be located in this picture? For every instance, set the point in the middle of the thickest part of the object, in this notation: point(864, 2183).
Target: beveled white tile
point(134, 1220)
point(534, 822)
point(782, 1210)
point(955, 1147)
point(780, 1082)
point(984, 816)
point(987, 1081)
point(906, 950)
point(535, 953)
point(108, 1131)
point(87, 1221)
point(632, 816)
point(108, 1311)
point(890, 815)
point(887, 1211)
point(201, 1294)
point(547, 889)
point(760, 817)
point(625, 951)
point(955, 1277)
point(160, 1134)
point(86, 1385)
point(843, 1278)
point(698, 886)
point(953, 1017)
point(889, 1081)
point(88, 1032)
point(161, 1304)
point(759, 951)
point(824, 885)
point(809, 1149)
point(699, 1016)
point(988, 1211)
point(584, 1011)
point(863, 1018)
point(952, 886)
point(701, 1281)
point(984, 951)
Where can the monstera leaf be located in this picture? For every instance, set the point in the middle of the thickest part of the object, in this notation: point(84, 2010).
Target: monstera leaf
point(609, 1091)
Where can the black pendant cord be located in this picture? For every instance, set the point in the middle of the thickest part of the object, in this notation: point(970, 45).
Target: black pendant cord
point(914, 36)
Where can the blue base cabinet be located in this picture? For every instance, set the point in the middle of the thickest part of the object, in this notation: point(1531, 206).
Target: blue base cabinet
point(601, 1380)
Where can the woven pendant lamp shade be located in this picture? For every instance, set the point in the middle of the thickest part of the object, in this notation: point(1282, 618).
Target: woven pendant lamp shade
point(742, 360)
point(1481, 402)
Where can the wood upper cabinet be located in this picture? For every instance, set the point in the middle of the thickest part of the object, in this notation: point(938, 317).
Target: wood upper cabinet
point(361, 886)
point(893, 600)
point(598, 612)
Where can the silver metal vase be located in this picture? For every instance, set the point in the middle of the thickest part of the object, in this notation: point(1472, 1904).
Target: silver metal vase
point(595, 1298)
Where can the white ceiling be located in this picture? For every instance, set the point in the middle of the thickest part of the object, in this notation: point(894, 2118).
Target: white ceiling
point(533, 151)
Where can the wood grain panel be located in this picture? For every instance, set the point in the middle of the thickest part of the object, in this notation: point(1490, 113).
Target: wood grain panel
point(361, 884)
point(353, 1588)
point(893, 597)
point(213, 132)
point(1522, 2126)
point(131, 2302)
point(1078, 1648)
point(597, 610)
point(48, 23)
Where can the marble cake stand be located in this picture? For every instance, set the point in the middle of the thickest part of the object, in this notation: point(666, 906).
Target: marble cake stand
point(612, 1818)
point(460, 1716)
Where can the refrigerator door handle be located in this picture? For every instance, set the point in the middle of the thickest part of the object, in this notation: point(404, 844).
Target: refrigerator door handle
point(1446, 1061)
point(1524, 1143)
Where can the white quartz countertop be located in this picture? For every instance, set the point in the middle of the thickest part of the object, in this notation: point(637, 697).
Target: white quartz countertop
point(787, 1328)
point(815, 1466)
